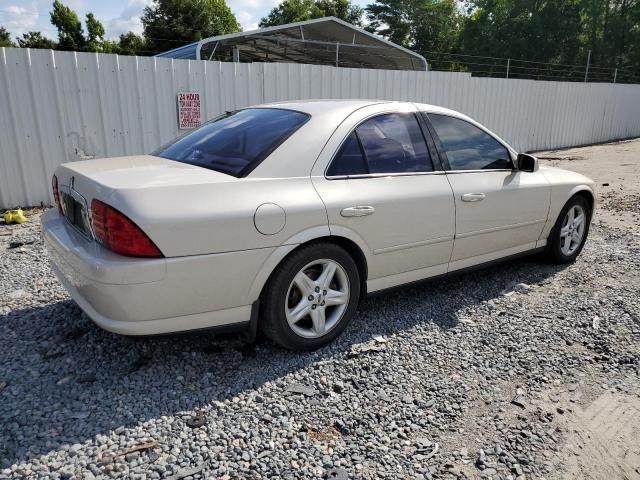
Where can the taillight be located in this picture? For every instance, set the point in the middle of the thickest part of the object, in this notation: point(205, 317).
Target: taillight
point(56, 192)
point(117, 232)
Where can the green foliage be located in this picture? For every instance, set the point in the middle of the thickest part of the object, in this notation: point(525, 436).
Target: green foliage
point(290, 11)
point(70, 34)
point(524, 29)
point(170, 24)
point(131, 44)
point(550, 31)
point(392, 19)
point(110, 46)
point(423, 25)
point(35, 40)
point(95, 34)
point(5, 38)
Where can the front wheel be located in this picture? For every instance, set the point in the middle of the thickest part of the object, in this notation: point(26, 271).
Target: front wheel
point(310, 297)
point(570, 231)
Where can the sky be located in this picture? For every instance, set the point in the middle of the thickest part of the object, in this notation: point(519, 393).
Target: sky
point(117, 16)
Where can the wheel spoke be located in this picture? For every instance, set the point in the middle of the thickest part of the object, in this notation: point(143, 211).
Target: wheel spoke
point(336, 297)
point(325, 278)
point(578, 221)
point(318, 318)
point(564, 232)
point(298, 312)
point(304, 283)
point(571, 215)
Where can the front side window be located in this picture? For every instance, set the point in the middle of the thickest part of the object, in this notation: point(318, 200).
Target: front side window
point(389, 143)
point(468, 147)
point(237, 142)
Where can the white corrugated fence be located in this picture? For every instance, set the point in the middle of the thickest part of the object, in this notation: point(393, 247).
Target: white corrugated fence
point(58, 107)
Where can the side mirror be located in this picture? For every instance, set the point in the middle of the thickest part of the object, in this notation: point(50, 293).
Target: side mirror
point(527, 163)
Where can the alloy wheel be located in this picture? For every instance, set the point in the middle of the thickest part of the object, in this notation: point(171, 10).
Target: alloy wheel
point(572, 230)
point(317, 298)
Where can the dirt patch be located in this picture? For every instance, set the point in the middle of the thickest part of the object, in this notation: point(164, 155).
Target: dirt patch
point(603, 439)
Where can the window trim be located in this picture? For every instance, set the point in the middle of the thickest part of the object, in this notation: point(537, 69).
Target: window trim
point(251, 167)
point(443, 155)
point(437, 166)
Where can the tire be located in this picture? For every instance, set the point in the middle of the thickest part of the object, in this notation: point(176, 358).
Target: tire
point(557, 250)
point(289, 295)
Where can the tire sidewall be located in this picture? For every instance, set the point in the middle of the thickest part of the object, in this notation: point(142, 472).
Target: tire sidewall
point(278, 287)
point(556, 251)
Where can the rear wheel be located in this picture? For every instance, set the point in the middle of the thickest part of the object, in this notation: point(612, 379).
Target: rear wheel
point(310, 297)
point(570, 231)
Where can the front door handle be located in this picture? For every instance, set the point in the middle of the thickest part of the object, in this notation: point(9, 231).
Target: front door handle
point(359, 211)
point(473, 197)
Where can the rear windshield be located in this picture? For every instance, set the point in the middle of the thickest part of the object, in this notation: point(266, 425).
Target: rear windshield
point(236, 142)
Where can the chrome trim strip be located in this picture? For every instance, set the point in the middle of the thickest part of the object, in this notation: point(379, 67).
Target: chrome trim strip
point(422, 243)
point(381, 175)
point(500, 228)
point(452, 172)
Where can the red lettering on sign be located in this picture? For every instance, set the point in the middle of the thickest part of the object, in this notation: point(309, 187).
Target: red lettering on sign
point(188, 110)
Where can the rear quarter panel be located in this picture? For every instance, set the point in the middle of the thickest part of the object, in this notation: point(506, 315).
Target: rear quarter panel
point(215, 218)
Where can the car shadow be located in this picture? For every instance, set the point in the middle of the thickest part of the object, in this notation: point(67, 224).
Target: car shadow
point(66, 380)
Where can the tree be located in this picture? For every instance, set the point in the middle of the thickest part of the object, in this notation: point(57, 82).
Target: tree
point(35, 40)
point(524, 29)
point(170, 24)
point(391, 19)
point(95, 34)
point(131, 44)
point(70, 34)
point(5, 38)
point(422, 25)
point(290, 11)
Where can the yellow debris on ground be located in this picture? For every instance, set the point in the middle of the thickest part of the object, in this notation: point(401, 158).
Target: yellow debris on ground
point(14, 216)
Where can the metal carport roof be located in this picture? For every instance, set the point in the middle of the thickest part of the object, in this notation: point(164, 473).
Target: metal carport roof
point(322, 41)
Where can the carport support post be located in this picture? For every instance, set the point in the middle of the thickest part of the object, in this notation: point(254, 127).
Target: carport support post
point(508, 63)
point(236, 55)
point(337, 54)
point(615, 75)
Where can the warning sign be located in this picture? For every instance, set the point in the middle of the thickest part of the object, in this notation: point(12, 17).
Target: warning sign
point(188, 110)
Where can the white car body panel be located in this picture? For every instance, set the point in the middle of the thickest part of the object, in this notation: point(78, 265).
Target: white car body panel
point(222, 236)
point(512, 214)
point(402, 235)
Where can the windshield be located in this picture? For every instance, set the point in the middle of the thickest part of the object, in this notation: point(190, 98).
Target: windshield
point(237, 142)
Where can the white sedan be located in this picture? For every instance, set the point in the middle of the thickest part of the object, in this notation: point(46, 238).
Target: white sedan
point(283, 216)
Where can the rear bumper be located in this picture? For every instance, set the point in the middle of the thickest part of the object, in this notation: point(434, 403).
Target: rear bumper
point(133, 296)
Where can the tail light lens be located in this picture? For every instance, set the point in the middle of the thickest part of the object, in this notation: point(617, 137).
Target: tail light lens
point(118, 233)
point(56, 192)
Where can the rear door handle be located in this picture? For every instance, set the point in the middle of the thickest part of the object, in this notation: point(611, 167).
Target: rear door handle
point(359, 211)
point(473, 197)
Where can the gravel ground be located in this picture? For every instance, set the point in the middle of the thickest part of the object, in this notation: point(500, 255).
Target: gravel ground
point(484, 375)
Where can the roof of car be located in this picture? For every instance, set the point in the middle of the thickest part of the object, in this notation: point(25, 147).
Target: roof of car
point(320, 106)
point(315, 107)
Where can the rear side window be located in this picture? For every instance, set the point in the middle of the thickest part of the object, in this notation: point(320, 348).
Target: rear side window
point(389, 143)
point(237, 142)
point(349, 160)
point(468, 147)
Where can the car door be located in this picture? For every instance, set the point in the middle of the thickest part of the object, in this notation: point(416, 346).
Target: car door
point(382, 190)
point(499, 210)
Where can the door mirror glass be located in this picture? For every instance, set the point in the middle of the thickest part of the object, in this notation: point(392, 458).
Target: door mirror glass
point(527, 163)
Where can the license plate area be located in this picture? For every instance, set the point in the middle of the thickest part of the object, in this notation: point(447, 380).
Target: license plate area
point(74, 208)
